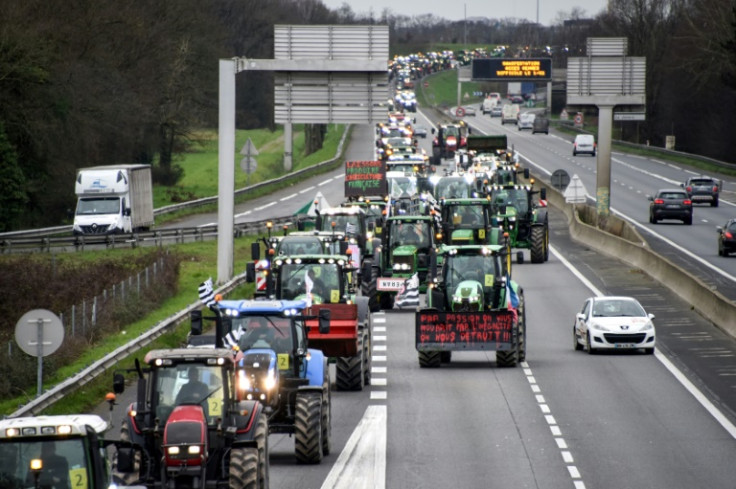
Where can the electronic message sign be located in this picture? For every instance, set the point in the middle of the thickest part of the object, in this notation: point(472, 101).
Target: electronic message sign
point(512, 69)
point(453, 331)
point(365, 178)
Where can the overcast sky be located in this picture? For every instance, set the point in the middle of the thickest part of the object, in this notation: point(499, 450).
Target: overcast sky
point(458, 9)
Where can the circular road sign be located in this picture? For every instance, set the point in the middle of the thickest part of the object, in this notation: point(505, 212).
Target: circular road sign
point(51, 332)
point(560, 179)
point(460, 112)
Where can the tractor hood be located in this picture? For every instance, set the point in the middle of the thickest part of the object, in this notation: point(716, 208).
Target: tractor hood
point(468, 296)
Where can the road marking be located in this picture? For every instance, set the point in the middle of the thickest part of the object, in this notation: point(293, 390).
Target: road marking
point(288, 197)
point(307, 189)
point(362, 463)
point(264, 206)
point(325, 182)
point(694, 391)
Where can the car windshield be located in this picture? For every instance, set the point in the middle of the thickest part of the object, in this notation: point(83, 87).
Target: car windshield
point(617, 308)
point(63, 461)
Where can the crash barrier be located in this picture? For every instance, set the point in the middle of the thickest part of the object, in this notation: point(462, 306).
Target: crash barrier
point(110, 360)
point(628, 246)
point(9, 236)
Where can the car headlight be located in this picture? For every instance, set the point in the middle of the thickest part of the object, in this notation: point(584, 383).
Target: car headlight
point(647, 327)
point(598, 327)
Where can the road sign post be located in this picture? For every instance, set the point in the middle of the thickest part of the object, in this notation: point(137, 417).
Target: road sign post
point(39, 333)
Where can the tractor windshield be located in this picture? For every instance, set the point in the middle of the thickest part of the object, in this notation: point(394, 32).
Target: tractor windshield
point(518, 198)
point(268, 332)
point(478, 267)
point(464, 216)
point(452, 188)
point(415, 233)
point(348, 224)
point(188, 383)
point(63, 461)
point(319, 279)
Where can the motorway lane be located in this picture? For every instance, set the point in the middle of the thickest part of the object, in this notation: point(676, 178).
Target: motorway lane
point(633, 178)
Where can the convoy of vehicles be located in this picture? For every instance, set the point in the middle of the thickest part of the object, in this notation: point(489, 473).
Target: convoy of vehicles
point(113, 199)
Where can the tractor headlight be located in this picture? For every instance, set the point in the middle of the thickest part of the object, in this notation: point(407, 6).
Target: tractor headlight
point(270, 382)
point(173, 450)
point(194, 450)
point(243, 381)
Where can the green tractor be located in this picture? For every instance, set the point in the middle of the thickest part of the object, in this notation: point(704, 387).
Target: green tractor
point(467, 222)
point(472, 305)
point(407, 243)
point(524, 218)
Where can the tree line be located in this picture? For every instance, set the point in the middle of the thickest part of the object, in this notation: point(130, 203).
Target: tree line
point(85, 82)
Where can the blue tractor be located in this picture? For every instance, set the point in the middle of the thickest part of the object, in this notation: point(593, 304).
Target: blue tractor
point(275, 367)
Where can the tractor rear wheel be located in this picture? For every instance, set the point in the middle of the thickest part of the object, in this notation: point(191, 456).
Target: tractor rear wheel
point(430, 359)
point(308, 428)
point(326, 415)
point(538, 242)
point(244, 468)
point(521, 311)
point(351, 371)
point(261, 436)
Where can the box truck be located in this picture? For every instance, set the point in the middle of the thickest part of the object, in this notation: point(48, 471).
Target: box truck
point(113, 199)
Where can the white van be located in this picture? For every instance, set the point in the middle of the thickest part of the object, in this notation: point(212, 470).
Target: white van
point(488, 105)
point(584, 143)
point(510, 113)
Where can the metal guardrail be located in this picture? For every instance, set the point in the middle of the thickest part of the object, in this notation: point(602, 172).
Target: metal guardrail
point(50, 231)
point(100, 366)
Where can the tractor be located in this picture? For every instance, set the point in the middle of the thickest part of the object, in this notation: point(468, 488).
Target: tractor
point(327, 282)
point(188, 426)
point(516, 211)
point(55, 451)
point(467, 221)
point(407, 243)
point(472, 304)
point(274, 366)
point(449, 138)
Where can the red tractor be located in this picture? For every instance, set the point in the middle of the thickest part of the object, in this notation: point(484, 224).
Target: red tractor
point(448, 139)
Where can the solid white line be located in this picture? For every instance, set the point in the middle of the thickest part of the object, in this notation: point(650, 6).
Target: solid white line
point(712, 409)
point(362, 463)
point(689, 386)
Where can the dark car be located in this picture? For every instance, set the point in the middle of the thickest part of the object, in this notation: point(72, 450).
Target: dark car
point(541, 124)
point(727, 238)
point(670, 204)
point(702, 190)
point(420, 132)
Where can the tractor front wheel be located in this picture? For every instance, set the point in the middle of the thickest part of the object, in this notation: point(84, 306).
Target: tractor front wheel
point(430, 359)
point(244, 468)
point(308, 428)
point(538, 242)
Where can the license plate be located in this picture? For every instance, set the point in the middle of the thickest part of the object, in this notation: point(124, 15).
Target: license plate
point(625, 345)
point(673, 206)
point(389, 284)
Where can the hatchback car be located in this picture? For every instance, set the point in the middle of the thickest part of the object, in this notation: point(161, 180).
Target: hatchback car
point(613, 322)
point(702, 189)
point(420, 132)
point(585, 144)
point(670, 204)
point(727, 238)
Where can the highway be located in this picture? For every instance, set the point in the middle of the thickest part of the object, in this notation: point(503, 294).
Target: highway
point(564, 418)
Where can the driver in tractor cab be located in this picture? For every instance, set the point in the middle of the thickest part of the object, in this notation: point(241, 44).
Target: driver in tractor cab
point(194, 390)
point(409, 233)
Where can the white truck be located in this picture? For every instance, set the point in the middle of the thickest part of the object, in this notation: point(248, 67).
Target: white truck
point(113, 199)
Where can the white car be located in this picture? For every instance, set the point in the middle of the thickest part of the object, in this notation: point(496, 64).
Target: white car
point(526, 121)
point(613, 322)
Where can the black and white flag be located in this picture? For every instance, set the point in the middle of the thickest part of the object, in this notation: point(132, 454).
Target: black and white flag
point(408, 295)
point(206, 293)
point(231, 339)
